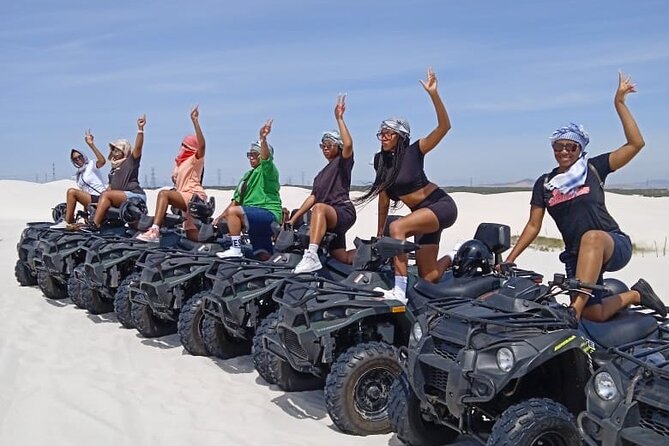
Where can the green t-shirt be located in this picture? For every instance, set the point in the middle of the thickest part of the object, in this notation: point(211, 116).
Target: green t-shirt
point(261, 189)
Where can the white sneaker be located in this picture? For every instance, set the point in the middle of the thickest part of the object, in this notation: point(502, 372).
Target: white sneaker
point(230, 252)
point(60, 225)
point(308, 264)
point(391, 295)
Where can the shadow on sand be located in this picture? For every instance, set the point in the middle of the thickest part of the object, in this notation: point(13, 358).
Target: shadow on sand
point(164, 342)
point(303, 405)
point(240, 364)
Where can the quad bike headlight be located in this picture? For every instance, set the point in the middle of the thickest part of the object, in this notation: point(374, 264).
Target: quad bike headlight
point(605, 387)
point(416, 332)
point(505, 359)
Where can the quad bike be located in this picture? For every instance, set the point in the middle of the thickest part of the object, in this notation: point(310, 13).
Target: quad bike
point(507, 368)
point(222, 321)
point(345, 336)
point(109, 262)
point(24, 270)
point(62, 251)
point(627, 399)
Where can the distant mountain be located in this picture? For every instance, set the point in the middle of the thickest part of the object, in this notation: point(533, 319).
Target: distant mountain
point(649, 184)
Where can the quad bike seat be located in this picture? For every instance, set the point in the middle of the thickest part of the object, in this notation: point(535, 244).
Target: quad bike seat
point(627, 326)
point(450, 286)
point(342, 268)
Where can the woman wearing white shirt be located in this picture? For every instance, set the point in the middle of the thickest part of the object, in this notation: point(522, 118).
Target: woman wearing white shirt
point(90, 182)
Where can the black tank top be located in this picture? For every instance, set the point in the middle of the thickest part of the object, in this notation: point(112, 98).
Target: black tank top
point(411, 176)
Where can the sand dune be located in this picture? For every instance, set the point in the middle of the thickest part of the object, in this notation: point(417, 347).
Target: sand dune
point(69, 378)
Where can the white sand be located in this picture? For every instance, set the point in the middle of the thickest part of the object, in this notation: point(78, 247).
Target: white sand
point(68, 378)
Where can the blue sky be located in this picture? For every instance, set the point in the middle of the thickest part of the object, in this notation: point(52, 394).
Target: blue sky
point(509, 72)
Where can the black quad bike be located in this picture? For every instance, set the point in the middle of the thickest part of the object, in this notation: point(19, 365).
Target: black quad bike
point(346, 335)
point(109, 262)
point(222, 321)
point(24, 270)
point(62, 251)
point(507, 368)
point(628, 396)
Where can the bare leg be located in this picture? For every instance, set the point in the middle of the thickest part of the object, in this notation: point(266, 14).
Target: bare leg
point(343, 255)
point(595, 250)
point(75, 196)
point(235, 218)
point(107, 199)
point(166, 198)
point(422, 221)
point(323, 217)
point(429, 268)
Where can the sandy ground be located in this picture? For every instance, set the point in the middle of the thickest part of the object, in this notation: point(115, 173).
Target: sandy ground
point(69, 378)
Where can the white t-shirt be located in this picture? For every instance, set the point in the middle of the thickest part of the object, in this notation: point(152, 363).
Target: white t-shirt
point(90, 179)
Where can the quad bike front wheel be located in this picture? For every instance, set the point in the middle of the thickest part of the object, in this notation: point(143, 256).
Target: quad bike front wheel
point(122, 304)
point(148, 324)
point(408, 422)
point(52, 288)
point(536, 422)
point(357, 389)
point(24, 275)
point(275, 370)
point(190, 322)
point(219, 343)
point(75, 288)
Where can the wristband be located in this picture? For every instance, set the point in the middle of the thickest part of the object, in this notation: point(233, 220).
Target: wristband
point(140, 131)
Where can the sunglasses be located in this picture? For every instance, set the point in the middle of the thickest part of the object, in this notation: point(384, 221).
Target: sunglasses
point(328, 146)
point(77, 158)
point(385, 134)
point(570, 147)
point(252, 154)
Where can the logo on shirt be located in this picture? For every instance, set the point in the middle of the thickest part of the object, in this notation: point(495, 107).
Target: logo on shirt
point(558, 197)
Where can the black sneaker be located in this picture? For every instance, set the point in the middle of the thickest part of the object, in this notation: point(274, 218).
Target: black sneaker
point(648, 297)
point(568, 315)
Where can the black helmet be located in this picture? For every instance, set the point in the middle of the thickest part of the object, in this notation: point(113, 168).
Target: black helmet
point(472, 259)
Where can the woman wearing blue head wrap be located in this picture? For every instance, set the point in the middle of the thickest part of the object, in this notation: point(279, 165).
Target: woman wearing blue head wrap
point(573, 195)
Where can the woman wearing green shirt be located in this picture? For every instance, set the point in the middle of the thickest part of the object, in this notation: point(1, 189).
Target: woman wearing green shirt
point(257, 198)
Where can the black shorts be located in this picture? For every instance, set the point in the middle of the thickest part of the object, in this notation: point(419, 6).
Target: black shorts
point(95, 198)
point(345, 219)
point(443, 206)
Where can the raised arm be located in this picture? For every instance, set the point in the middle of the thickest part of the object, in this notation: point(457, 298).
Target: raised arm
point(265, 130)
point(308, 204)
point(443, 122)
point(88, 137)
point(384, 205)
point(635, 142)
point(195, 116)
point(530, 232)
point(139, 141)
point(340, 108)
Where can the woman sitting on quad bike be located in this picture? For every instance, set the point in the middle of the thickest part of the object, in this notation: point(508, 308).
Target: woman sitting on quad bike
point(573, 194)
point(256, 198)
point(124, 175)
point(90, 183)
point(187, 178)
point(331, 207)
point(400, 176)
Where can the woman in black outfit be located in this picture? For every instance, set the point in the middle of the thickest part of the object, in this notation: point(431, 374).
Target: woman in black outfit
point(400, 176)
point(331, 207)
point(573, 195)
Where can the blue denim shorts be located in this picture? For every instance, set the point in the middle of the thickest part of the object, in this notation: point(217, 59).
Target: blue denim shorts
point(260, 228)
point(622, 253)
point(130, 195)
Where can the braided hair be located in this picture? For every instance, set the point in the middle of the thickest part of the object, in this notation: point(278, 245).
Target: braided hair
point(387, 165)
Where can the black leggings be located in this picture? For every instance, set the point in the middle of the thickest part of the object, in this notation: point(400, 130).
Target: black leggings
point(443, 206)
